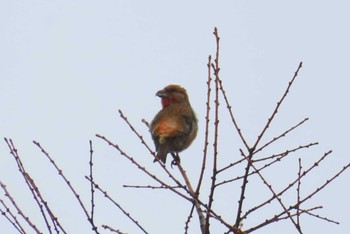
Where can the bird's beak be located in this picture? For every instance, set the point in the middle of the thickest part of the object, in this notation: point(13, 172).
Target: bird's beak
point(162, 93)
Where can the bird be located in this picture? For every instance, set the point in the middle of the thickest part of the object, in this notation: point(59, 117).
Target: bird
point(175, 126)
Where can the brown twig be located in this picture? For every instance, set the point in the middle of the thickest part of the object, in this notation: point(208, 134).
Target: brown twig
point(19, 211)
point(278, 217)
point(276, 157)
point(251, 150)
point(281, 135)
point(324, 184)
point(92, 188)
point(278, 198)
point(54, 219)
point(323, 218)
point(68, 183)
point(195, 200)
point(277, 107)
point(40, 201)
point(149, 186)
point(30, 183)
point(104, 192)
point(229, 108)
point(298, 194)
point(206, 142)
point(112, 229)
point(285, 153)
point(216, 69)
point(206, 134)
point(138, 165)
point(290, 185)
point(11, 217)
point(243, 188)
point(189, 217)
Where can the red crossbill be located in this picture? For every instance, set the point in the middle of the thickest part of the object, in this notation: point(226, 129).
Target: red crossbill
point(175, 126)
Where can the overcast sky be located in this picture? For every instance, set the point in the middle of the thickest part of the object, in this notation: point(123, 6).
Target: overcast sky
point(68, 66)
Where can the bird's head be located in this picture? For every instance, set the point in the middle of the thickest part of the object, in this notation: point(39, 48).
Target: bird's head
point(172, 94)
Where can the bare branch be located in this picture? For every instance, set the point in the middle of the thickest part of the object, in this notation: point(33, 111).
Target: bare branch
point(287, 152)
point(277, 158)
point(269, 186)
point(150, 186)
point(290, 185)
point(11, 217)
point(195, 199)
point(206, 135)
point(132, 160)
point(277, 106)
point(281, 135)
point(298, 194)
point(92, 189)
point(216, 130)
point(19, 211)
point(104, 192)
point(325, 184)
point(34, 190)
point(189, 217)
point(112, 229)
point(68, 183)
point(243, 188)
point(323, 218)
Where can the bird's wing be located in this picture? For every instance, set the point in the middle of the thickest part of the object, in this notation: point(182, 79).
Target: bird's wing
point(168, 127)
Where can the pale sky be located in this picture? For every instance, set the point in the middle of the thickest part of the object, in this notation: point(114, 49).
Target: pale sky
point(68, 66)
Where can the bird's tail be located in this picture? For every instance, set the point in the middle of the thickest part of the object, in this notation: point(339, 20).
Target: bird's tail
point(161, 155)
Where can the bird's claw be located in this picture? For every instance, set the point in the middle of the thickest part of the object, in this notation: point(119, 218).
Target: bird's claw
point(176, 161)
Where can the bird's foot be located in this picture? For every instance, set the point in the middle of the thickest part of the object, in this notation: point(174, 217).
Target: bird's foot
point(176, 159)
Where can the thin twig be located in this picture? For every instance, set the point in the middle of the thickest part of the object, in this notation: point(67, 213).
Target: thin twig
point(92, 188)
point(68, 183)
point(112, 229)
point(269, 186)
point(290, 185)
point(231, 165)
point(298, 194)
point(243, 188)
point(285, 153)
point(38, 198)
point(277, 106)
point(216, 69)
point(11, 217)
point(233, 119)
point(323, 218)
point(54, 219)
point(104, 192)
point(19, 211)
point(133, 161)
point(277, 158)
point(189, 217)
point(195, 200)
point(149, 186)
point(29, 181)
point(206, 134)
point(324, 184)
point(278, 217)
point(281, 135)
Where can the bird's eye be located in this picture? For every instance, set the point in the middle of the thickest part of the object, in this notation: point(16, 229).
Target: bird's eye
point(172, 90)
